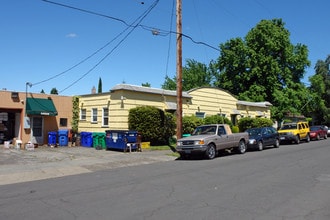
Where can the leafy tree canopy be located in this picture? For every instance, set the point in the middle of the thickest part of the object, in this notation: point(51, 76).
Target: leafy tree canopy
point(265, 66)
point(319, 105)
point(194, 75)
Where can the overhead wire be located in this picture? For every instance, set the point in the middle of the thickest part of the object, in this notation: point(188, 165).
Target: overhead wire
point(82, 61)
point(170, 39)
point(133, 27)
point(138, 21)
point(159, 31)
point(154, 30)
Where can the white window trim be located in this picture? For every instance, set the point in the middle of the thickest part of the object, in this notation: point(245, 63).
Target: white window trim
point(92, 115)
point(82, 114)
point(103, 117)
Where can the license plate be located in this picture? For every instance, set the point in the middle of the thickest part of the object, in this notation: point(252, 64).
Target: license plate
point(187, 151)
point(282, 138)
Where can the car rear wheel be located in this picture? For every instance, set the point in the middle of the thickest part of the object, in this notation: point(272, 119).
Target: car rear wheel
point(241, 149)
point(325, 136)
point(210, 152)
point(308, 138)
point(260, 146)
point(297, 140)
point(277, 143)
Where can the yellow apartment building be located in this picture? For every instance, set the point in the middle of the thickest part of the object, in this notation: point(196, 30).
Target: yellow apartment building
point(109, 111)
point(29, 116)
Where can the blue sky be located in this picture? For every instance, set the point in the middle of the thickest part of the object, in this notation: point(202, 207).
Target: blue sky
point(41, 41)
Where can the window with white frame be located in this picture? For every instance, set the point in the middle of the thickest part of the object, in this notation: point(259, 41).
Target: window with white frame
point(83, 114)
point(200, 114)
point(94, 115)
point(105, 117)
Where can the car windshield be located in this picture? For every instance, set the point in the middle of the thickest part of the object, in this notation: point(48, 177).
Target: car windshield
point(289, 126)
point(315, 128)
point(205, 130)
point(254, 131)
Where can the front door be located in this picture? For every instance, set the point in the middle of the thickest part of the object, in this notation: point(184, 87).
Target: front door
point(37, 130)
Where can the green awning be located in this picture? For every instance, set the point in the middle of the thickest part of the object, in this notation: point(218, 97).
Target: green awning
point(37, 106)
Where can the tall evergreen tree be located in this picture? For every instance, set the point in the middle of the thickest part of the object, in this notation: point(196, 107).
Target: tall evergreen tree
point(54, 91)
point(99, 88)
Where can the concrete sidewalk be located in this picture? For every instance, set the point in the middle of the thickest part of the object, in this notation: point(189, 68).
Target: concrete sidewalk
point(45, 162)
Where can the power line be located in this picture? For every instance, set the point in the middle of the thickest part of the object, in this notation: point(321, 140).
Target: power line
point(170, 39)
point(154, 30)
point(138, 20)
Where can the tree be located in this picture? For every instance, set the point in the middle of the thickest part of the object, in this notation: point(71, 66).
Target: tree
point(42, 91)
point(194, 74)
point(54, 91)
point(265, 66)
point(169, 84)
point(146, 84)
point(99, 88)
point(319, 105)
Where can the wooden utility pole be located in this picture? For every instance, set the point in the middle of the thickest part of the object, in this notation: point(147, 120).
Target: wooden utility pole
point(178, 70)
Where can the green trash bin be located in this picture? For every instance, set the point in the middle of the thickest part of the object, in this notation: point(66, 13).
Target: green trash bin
point(99, 140)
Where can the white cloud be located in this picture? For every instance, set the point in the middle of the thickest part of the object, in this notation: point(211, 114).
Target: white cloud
point(71, 35)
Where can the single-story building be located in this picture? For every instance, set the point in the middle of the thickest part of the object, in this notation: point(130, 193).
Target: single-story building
point(109, 111)
point(30, 116)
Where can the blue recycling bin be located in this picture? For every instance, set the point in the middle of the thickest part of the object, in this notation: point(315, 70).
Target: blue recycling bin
point(121, 139)
point(52, 136)
point(63, 137)
point(86, 139)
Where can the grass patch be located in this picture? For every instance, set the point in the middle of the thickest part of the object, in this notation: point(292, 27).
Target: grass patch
point(165, 147)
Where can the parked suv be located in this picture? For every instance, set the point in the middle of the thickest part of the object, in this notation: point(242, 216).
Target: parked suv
point(294, 132)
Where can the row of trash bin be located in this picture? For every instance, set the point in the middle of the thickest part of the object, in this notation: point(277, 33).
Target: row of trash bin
point(63, 137)
point(111, 139)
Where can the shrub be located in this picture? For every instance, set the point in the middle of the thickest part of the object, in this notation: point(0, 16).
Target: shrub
point(245, 123)
point(217, 119)
point(154, 124)
point(189, 123)
point(235, 129)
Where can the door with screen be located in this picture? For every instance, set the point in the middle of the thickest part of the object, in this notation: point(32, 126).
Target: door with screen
point(37, 130)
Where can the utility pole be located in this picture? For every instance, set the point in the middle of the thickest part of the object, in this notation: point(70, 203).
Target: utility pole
point(178, 70)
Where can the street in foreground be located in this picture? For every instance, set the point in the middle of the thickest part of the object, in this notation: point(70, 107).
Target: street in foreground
point(291, 183)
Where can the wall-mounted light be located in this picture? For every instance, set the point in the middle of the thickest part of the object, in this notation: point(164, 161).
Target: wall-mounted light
point(122, 98)
point(198, 109)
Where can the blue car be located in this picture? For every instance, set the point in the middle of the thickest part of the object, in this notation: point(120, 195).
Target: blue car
point(259, 138)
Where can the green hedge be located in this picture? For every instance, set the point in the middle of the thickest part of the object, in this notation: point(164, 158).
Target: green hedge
point(154, 124)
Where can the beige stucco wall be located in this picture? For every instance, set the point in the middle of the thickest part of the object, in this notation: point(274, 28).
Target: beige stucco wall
point(63, 106)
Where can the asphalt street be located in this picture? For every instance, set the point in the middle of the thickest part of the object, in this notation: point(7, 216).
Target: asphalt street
point(291, 182)
point(45, 162)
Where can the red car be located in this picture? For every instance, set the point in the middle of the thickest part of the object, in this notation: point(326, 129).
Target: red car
point(317, 132)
